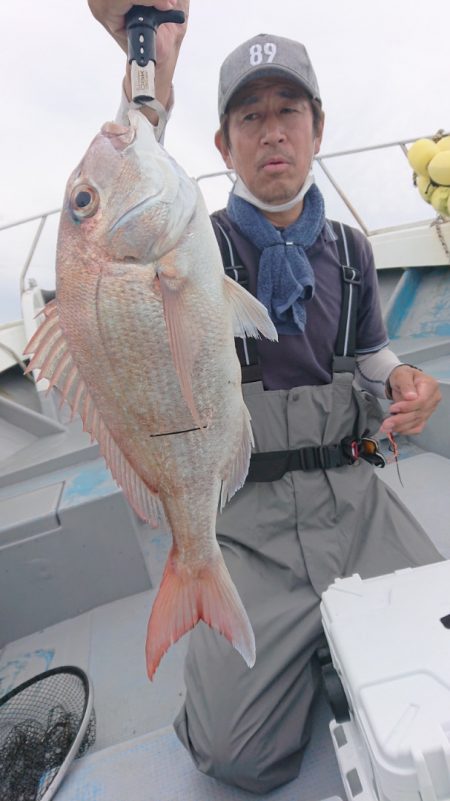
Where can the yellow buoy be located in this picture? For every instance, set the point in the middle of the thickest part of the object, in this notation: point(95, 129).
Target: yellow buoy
point(444, 143)
point(420, 155)
point(425, 187)
point(439, 168)
point(440, 199)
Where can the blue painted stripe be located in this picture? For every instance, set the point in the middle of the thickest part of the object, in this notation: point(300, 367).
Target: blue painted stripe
point(403, 299)
point(19, 669)
point(87, 483)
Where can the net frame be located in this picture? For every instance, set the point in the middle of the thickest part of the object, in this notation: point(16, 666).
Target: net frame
point(83, 724)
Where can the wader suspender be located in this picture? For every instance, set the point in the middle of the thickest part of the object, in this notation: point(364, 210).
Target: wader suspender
point(271, 466)
point(344, 351)
point(246, 349)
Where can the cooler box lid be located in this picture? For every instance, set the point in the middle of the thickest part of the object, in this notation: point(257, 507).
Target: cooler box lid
point(389, 639)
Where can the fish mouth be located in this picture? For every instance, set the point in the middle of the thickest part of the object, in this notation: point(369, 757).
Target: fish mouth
point(129, 212)
point(120, 136)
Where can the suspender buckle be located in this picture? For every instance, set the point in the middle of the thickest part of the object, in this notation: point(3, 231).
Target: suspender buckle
point(350, 275)
point(344, 364)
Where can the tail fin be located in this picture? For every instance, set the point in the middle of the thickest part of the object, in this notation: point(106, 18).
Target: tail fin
point(186, 597)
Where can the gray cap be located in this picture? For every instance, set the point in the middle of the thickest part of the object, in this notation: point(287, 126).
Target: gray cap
point(266, 56)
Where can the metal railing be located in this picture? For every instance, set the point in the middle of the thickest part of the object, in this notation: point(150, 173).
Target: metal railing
point(319, 159)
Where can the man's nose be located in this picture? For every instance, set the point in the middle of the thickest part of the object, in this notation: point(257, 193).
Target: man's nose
point(273, 130)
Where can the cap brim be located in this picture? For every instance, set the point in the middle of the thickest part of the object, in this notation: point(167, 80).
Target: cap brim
point(266, 72)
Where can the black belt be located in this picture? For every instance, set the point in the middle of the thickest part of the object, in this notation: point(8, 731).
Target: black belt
point(272, 465)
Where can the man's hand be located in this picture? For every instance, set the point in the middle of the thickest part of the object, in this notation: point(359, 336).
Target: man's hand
point(111, 14)
point(415, 395)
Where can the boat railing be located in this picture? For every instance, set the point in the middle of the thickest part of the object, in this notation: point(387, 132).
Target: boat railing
point(321, 160)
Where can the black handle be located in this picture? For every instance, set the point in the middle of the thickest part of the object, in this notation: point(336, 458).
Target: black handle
point(142, 23)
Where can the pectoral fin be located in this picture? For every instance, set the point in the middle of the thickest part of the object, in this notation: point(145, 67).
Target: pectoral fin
point(250, 317)
point(182, 340)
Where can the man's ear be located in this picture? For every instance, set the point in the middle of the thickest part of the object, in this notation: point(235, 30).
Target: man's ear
point(318, 134)
point(224, 150)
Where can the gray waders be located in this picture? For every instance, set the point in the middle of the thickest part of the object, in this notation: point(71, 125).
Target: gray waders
point(284, 542)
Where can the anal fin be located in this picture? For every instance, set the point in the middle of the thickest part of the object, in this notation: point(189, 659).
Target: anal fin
point(237, 469)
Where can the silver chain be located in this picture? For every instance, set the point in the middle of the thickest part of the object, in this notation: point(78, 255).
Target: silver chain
point(437, 223)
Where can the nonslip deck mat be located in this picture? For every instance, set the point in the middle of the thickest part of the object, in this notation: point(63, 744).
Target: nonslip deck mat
point(156, 767)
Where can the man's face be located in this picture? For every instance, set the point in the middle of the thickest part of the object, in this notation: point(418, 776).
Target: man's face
point(271, 139)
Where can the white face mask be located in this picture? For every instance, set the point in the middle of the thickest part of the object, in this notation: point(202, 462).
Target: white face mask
point(241, 190)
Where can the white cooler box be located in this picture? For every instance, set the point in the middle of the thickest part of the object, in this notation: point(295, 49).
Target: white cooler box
point(389, 639)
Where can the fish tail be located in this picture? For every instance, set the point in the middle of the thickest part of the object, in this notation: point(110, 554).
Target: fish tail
point(185, 597)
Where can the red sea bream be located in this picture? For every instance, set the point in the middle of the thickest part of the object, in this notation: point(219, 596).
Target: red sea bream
point(140, 342)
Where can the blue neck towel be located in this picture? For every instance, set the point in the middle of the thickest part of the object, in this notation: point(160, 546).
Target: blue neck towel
point(285, 276)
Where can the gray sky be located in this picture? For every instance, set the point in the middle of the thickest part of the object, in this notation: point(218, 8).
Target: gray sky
point(383, 69)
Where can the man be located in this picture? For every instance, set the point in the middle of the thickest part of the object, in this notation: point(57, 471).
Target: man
point(286, 538)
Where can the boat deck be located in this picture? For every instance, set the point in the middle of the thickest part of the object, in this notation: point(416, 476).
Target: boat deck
point(136, 755)
point(78, 574)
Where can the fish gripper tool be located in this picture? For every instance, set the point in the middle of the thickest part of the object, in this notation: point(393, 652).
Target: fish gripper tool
point(142, 23)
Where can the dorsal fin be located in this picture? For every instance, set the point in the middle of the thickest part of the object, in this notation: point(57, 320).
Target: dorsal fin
point(52, 355)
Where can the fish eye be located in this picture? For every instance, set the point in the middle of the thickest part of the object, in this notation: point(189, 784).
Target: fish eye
point(84, 201)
